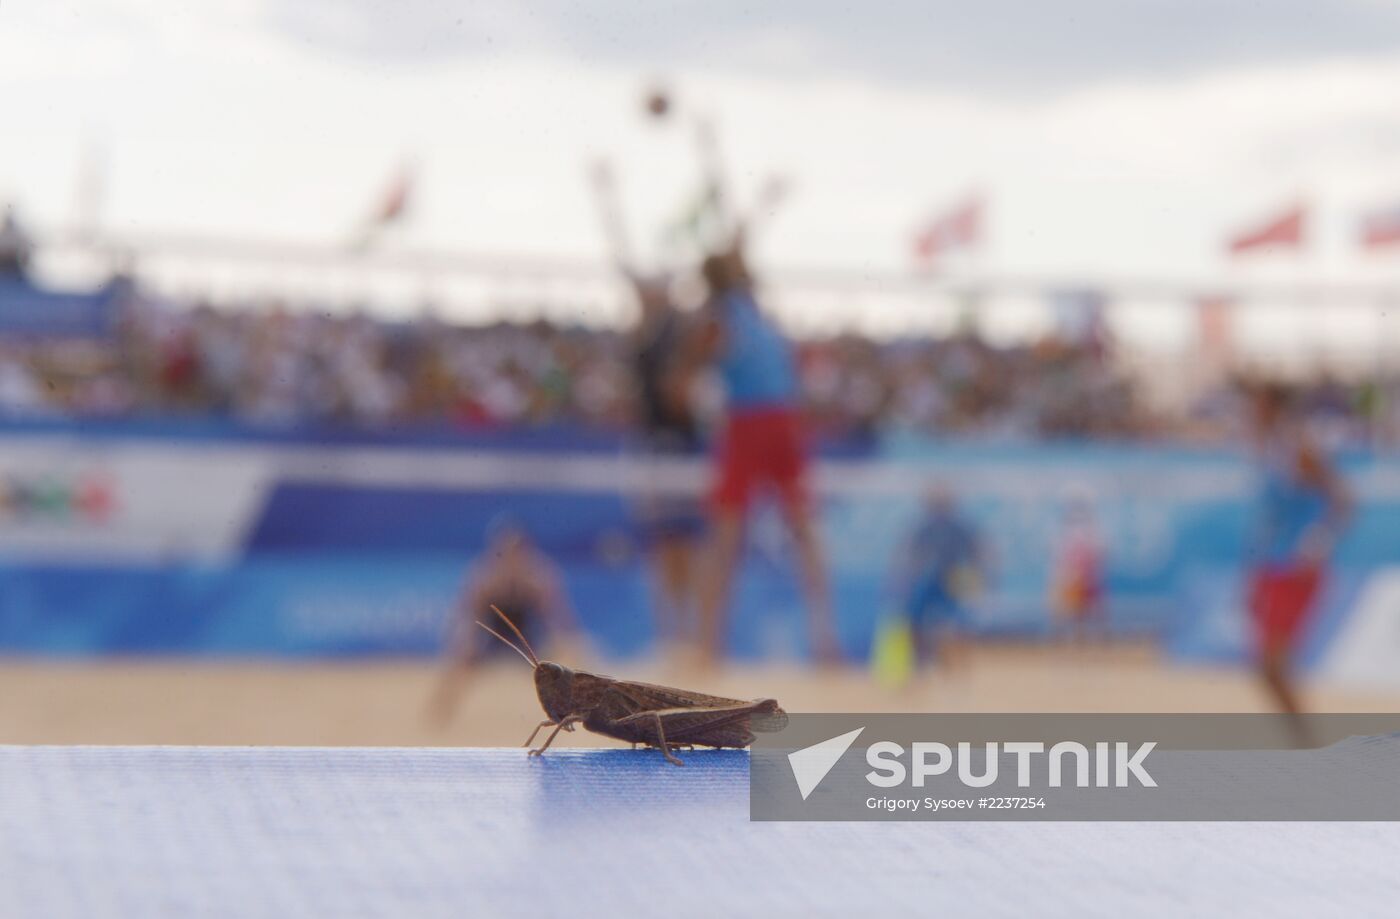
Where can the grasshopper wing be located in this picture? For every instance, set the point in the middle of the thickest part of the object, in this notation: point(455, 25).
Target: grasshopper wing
point(717, 723)
point(650, 696)
point(730, 726)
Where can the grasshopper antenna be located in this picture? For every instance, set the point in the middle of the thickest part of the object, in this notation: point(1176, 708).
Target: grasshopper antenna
point(534, 658)
point(510, 644)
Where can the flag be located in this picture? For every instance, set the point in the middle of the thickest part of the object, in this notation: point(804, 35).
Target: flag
point(1381, 228)
point(1283, 231)
point(959, 228)
point(389, 209)
point(396, 198)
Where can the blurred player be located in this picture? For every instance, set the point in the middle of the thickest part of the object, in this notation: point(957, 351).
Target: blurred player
point(673, 523)
point(1303, 506)
point(1077, 583)
point(523, 583)
point(760, 449)
point(940, 569)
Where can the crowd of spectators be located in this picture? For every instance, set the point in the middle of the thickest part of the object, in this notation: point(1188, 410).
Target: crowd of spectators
point(272, 366)
point(266, 365)
point(1339, 413)
point(269, 365)
point(963, 385)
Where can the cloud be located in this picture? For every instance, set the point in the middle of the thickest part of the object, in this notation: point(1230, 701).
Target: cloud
point(1007, 47)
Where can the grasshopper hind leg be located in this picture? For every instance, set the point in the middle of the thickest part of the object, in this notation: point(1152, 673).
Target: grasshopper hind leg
point(661, 743)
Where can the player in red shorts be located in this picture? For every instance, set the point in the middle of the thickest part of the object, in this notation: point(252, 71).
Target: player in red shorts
point(760, 449)
point(1303, 506)
point(1077, 584)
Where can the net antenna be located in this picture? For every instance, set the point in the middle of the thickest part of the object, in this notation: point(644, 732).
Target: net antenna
point(608, 202)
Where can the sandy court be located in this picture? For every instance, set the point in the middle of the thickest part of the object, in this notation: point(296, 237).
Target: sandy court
point(371, 704)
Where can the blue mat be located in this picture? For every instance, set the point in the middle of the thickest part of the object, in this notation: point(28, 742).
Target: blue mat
point(177, 831)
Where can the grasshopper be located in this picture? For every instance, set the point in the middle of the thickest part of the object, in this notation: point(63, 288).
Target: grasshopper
point(638, 713)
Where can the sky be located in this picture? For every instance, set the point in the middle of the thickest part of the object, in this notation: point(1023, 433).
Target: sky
point(1110, 138)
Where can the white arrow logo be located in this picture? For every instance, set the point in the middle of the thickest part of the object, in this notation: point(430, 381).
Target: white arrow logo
point(811, 764)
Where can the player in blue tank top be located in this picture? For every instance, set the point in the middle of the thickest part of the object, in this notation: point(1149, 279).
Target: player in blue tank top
point(1302, 507)
point(760, 448)
point(940, 566)
point(756, 361)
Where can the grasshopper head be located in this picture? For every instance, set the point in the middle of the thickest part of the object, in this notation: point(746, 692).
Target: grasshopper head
point(554, 684)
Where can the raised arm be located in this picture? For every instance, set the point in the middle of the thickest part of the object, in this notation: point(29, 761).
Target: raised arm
point(609, 206)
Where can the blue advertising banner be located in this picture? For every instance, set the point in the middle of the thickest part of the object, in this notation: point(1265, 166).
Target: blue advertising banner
point(226, 546)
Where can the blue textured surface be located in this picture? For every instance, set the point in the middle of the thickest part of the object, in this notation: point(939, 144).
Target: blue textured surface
point(153, 831)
